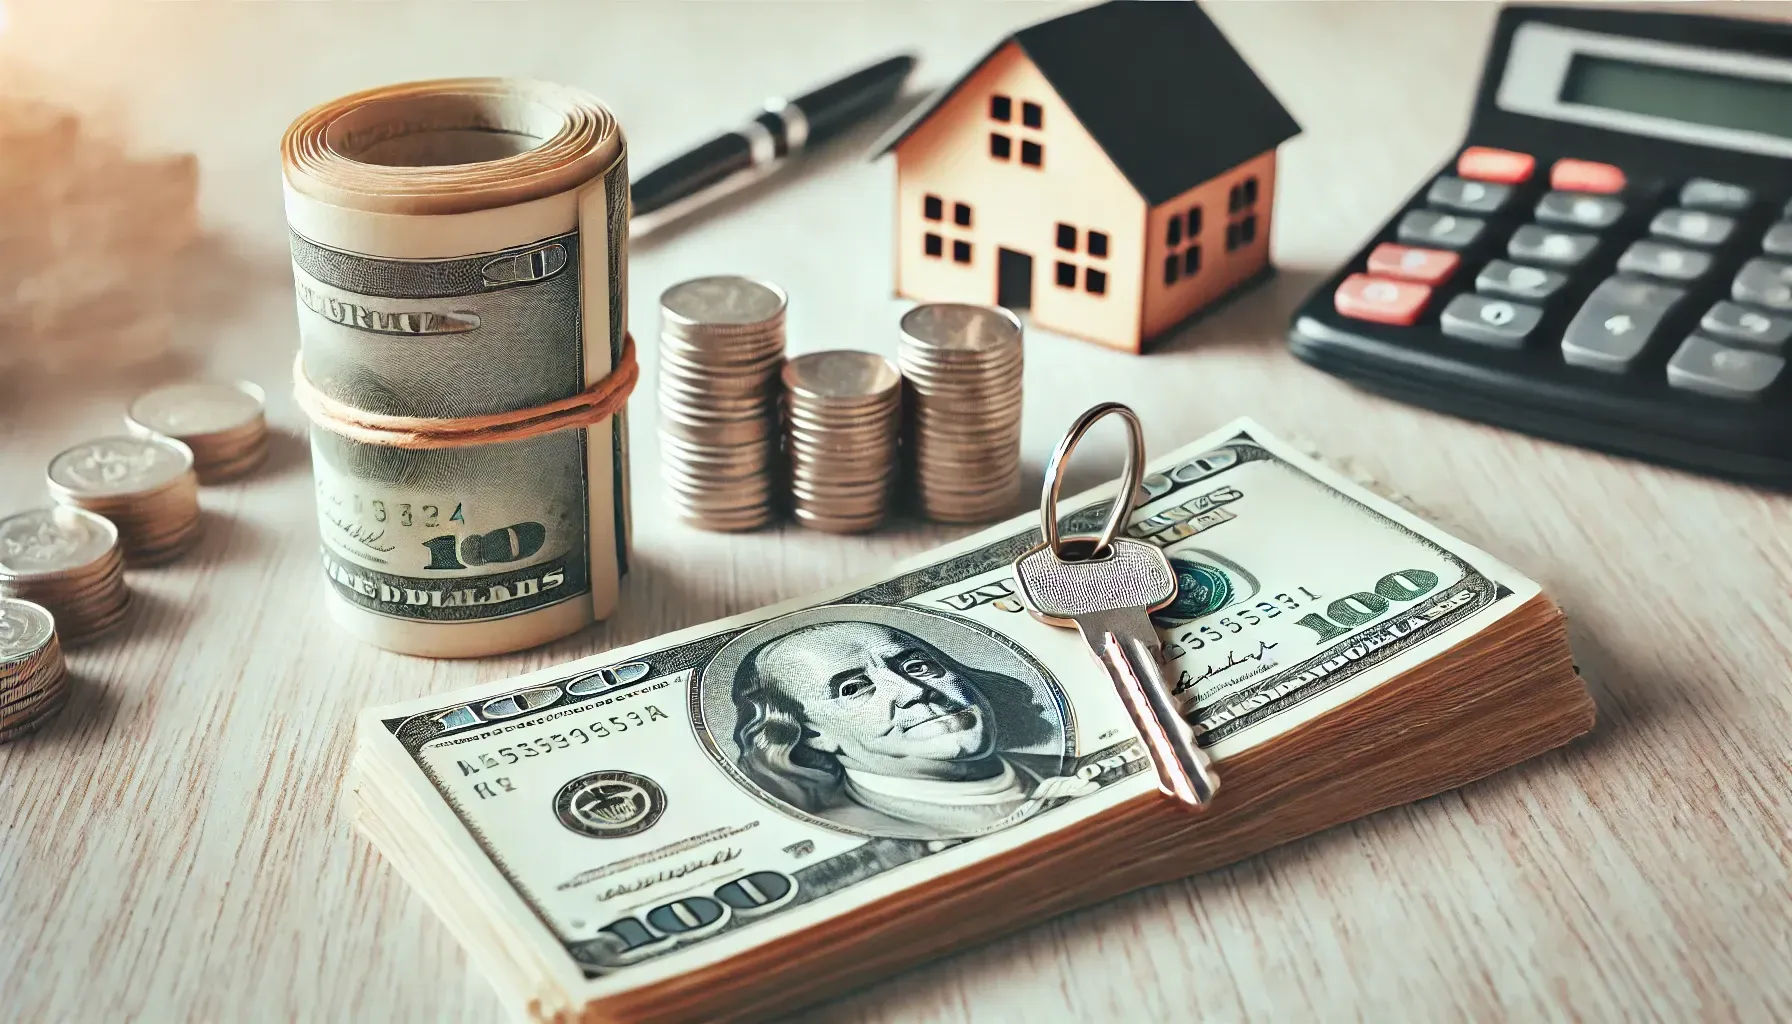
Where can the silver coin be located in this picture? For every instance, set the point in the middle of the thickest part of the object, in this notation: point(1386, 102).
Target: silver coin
point(698, 481)
point(120, 466)
point(718, 434)
point(25, 628)
point(198, 409)
point(47, 687)
point(835, 524)
point(966, 391)
point(13, 732)
point(53, 541)
point(722, 300)
point(840, 374)
point(876, 421)
point(760, 388)
point(719, 460)
point(954, 325)
point(870, 440)
point(716, 360)
point(676, 446)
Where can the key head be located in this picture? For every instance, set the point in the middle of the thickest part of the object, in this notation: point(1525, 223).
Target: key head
point(1133, 575)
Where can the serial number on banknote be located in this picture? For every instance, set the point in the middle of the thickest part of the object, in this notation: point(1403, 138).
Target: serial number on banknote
point(1239, 621)
point(590, 731)
point(365, 521)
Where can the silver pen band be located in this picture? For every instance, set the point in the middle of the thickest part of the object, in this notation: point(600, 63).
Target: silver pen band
point(760, 142)
point(796, 125)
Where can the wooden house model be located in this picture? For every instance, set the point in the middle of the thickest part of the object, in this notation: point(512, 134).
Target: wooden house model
point(1111, 171)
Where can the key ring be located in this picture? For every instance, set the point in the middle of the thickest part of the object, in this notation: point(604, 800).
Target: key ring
point(1132, 478)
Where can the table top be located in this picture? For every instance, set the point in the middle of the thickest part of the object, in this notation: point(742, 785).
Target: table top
point(174, 842)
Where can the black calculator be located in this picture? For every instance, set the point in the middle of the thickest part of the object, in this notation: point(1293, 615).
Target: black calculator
point(1606, 260)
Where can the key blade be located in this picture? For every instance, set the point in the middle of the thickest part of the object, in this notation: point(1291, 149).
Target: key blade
point(1126, 645)
point(1182, 767)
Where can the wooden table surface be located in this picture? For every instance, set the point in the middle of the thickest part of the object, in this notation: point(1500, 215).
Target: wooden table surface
point(174, 847)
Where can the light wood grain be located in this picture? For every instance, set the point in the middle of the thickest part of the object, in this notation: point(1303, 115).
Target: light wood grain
point(173, 847)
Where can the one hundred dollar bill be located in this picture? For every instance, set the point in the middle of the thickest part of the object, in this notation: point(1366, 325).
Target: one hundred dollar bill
point(464, 534)
point(442, 273)
point(665, 806)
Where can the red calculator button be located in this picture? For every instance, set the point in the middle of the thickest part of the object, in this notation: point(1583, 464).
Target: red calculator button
point(1426, 266)
point(1585, 176)
point(1380, 299)
point(1502, 165)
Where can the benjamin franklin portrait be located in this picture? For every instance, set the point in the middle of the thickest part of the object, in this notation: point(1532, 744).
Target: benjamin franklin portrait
point(889, 721)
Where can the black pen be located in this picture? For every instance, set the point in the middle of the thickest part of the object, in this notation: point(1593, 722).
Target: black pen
point(748, 153)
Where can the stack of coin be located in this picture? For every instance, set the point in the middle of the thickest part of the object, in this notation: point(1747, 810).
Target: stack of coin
point(145, 485)
point(842, 415)
point(33, 679)
point(67, 560)
point(962, 367)
point(224, 424)
point(721, 346)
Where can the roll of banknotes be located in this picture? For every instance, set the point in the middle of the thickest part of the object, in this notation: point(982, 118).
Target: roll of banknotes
point(459, 251)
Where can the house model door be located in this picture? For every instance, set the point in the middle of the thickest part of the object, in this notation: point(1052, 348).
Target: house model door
point(1014, 279)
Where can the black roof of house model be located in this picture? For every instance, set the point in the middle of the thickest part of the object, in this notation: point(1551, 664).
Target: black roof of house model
point(1157, 84)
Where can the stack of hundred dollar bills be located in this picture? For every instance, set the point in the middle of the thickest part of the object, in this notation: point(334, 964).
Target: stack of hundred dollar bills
point(747, 816)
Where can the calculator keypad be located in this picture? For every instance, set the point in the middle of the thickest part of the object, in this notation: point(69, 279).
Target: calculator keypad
point(1381, 300)
point(1616, 323)
point(1705, 194)
point(1778, 240)
point(1578, 210)
point(1534, 243)
point(1425, 227)
point(1695, 227)
point(1765, 283)
point(1483, 163)
point(1489, 321)
point(1669, 262)
point(1426, 266)
point(1741, 325)
point(1585, 223)
point(1701, 364)
point(1519, 282)
point(1586, 176)
point(1454, 193)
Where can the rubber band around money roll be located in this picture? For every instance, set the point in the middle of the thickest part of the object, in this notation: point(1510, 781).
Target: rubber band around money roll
point(602, 400)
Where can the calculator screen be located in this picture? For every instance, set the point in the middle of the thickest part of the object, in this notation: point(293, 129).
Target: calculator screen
point(1683, 94)
point(1704, 95)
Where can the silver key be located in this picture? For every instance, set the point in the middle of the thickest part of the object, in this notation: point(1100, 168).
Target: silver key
point(1107, 587)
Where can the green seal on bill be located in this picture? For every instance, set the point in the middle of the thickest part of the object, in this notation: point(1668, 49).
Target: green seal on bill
point(1200, 588)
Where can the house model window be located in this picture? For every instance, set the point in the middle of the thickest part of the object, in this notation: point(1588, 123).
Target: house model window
point(1181, 261)
point(1117, 238)
point(1095, 243)
point(1001, 144)
point(933, 243)
point(1241, 205)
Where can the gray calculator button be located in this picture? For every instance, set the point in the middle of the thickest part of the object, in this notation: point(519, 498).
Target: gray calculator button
point(1489, 321)
point(1518, 282)
point(1667, 261)
point(1703, 365)
point(1468, 196)
point(1764, 283)
point(1694, 226)
point(1616, 323)
point(1578, 209)
point(1424, 227)
point(1534, 243)
point(1715, 195)
point(1778, 240)
point(1743, 326)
